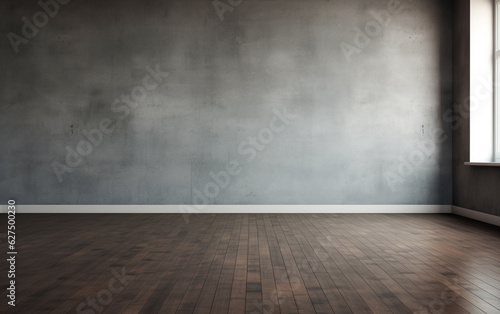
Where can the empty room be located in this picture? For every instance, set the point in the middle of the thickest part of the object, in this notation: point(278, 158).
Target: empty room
point(250, 156)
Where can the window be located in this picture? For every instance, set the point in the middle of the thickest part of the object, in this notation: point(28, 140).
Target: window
point(484, 83)
point(496, 116)
point(481, 98)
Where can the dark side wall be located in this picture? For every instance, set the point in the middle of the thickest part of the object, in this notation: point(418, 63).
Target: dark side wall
point(475, 188)
point(244, 102)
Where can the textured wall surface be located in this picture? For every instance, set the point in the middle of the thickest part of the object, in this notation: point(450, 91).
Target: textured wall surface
point(265, 102)
point(474, 188)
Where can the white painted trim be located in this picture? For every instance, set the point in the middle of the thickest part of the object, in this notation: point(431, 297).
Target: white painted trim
point(473, 214)
point(232, 209)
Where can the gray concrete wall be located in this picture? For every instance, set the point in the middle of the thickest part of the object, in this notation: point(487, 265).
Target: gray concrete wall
point(265, 102)
point(474, 188)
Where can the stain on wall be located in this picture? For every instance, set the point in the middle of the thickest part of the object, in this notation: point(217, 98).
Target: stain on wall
point(150, 102)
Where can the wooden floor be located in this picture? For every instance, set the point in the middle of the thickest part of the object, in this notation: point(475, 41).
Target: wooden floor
point(244, 263)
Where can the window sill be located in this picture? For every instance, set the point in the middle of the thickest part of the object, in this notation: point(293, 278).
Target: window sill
point(483, 164)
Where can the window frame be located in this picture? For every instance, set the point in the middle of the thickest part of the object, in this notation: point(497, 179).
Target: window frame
point(496, 76)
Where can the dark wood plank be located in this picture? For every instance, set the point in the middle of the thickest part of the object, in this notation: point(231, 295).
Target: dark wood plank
point(264, 263)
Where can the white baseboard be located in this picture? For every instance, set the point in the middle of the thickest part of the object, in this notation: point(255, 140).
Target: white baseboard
point(473, 214)
point(232, 209)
